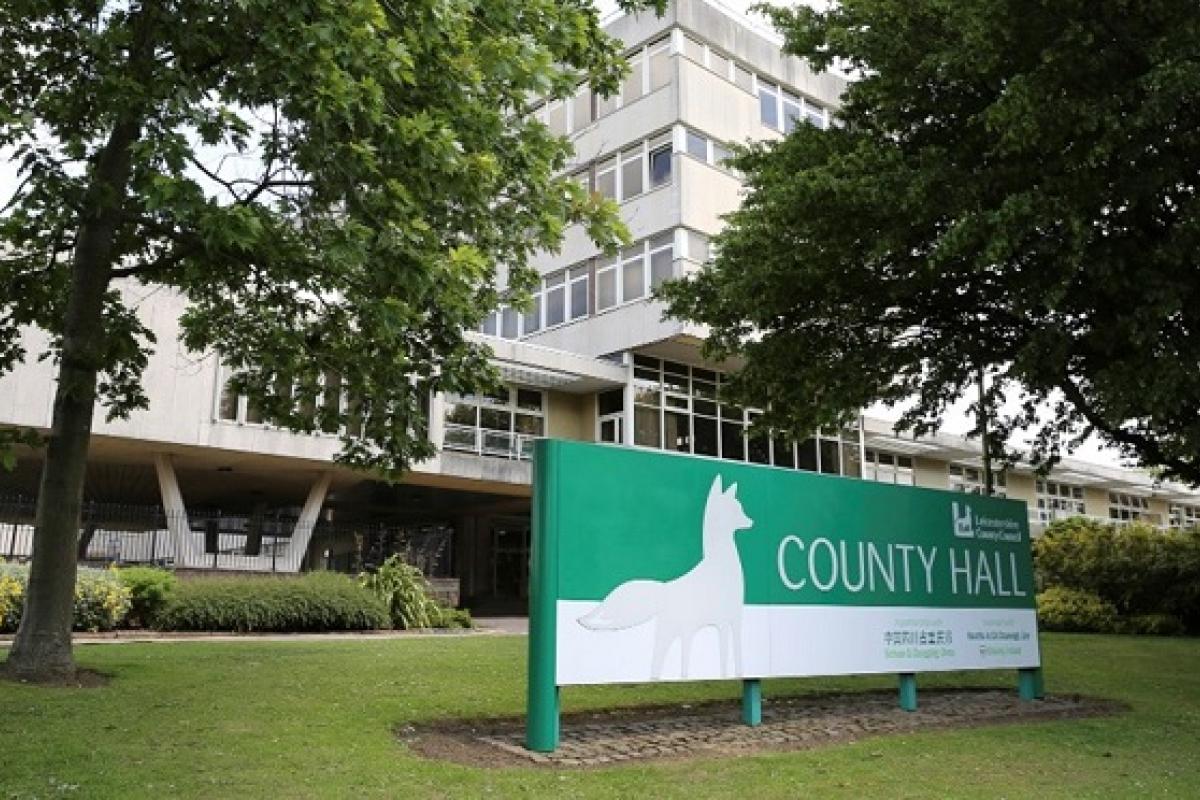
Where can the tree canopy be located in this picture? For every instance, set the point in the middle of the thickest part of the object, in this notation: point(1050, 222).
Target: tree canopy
point(340, 189)
point(334, 186)
point(1010, 187)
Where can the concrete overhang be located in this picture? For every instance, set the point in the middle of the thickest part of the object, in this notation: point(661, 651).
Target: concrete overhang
point(547, 368)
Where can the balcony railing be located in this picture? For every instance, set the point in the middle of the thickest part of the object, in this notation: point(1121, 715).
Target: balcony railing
point(484, 442)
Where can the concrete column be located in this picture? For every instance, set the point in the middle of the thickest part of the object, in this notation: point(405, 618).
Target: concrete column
point(302, 533)
point(176, 512)
point(627, 424)
point(437, 419)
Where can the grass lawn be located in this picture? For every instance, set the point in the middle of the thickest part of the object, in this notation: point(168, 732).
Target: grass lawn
point(315, 719)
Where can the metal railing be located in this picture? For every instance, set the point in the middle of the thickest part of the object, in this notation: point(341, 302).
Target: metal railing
point(212, 540)
point(485, 442)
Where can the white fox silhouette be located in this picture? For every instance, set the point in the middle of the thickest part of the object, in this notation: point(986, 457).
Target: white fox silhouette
point(711, 594)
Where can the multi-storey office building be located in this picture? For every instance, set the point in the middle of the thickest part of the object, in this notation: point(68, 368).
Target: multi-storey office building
point(198, 480)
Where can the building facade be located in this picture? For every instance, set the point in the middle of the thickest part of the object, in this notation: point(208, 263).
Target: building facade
point(200, 481)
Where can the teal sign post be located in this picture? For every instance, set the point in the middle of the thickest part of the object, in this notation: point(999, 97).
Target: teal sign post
point(650, 566)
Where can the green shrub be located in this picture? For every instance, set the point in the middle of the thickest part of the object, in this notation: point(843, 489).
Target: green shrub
point(148, 589)
point(409, 597)
point(1064, 609)
point(1138, 569)
point(316, 601)
point(101, 600)
point(1153, 625)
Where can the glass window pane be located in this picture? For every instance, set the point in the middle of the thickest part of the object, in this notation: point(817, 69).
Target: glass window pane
point(631, 88)
point(851, 460)
point(606, 289)
point(605, 105)
point(529, 424)
point(759, 449)
point(461, 414)
point(529, 399)
point(610, 402)
point(490, 324)
point(509, 320)
point(783, 452)
point(229, 404)
point(633, 276)
point(606, 178)
point(697, 246)
point(721, 154)
point(704, 432)
point(693, 49)
point(806, 455)
point(662, 267)
point(767, 104)
point(579, 298)
point(677, 432)
point(646, 427)
point(697, 145)
point(732, 448)
point(495, 419)
point(831, 463)
point(660, 166)
point(660, 68)
point(556, 312)
point(556, 118)
point(581, 109)
point(533, 318)
point(631, 173)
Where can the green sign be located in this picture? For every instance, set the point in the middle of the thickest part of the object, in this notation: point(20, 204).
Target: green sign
point(653, 566)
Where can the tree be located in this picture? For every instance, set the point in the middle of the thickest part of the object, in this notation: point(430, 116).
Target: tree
point(1010, 188)
point(339, 189)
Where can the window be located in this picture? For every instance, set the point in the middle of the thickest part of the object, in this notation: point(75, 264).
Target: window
point(697, 146)
point(556, 117)
point(793, 112)
point(697, 247)
point(1057, 501)
point(503, 425)
point(659, 58)
point(970, 480)
point(581, 109)
point(888, 468)
point(1124, 508)
point(579, 291)
point(768, 104)
point(631, 172)
point(606, 178)
point(676, 407)
point(707, 150)
point(606, 284)
point(693, 49)
point(631, 88)
point(718, 63)
point(660, 163)
point(532, 321)
point(662, 255)
point(1184, 516)
point(633, 273)
point(556, 299)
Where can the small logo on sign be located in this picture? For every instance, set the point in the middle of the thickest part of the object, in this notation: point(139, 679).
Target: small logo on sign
point(964, 525)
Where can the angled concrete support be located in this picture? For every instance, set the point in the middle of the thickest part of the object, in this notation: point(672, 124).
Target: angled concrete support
point(176, 512)
point(302, 534)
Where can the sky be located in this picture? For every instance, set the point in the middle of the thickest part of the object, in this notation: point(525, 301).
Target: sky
point(956, 420)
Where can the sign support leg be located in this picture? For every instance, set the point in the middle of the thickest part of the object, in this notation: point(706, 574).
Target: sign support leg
point(908, 691)
point(1029, 683)
point(752, 702)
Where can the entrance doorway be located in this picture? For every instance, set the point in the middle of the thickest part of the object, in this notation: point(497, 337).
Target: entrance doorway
point(510, 565)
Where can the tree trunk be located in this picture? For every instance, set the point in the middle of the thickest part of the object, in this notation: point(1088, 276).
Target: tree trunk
point(42, 648)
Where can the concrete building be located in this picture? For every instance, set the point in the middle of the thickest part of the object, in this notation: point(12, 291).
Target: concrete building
point(199, 481)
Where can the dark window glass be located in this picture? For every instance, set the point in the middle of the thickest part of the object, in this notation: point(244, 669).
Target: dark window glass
point(611, 402)
point(660, 166)
point(697, 146)
point(732, 447)
point(830, 463)
point(759, 449)
point(783, 453)
point(807, 455)
point(704, 431)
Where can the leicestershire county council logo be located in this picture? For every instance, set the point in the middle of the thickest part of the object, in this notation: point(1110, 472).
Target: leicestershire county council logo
point(964, 525)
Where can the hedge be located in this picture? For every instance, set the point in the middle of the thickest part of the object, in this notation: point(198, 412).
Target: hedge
point(101, 600)
point(1150, 577)
point(315, 601)
point(149, 588)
